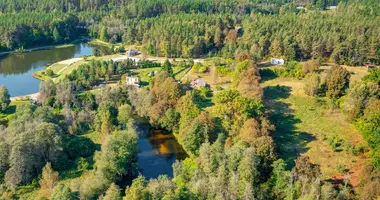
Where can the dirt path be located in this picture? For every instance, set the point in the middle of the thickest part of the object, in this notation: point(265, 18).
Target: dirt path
point(68, 63)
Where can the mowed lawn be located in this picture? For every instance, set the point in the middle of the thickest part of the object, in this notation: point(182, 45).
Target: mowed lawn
point(305, 125)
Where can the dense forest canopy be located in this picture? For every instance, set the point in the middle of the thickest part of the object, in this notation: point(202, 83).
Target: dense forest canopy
point(244, 29)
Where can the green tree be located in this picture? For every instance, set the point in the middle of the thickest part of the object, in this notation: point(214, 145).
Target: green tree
point(337, 81)
point(61, 191)
point(311, 85)
point(47, 92)
point(167, 67)
point(275, 49)
point(49, 179)
point(106, 119)
point(279, 178)
point(103, 34)
point(373, 76)
point(137, 190)
point(118, 156)
point(57, 36)
point(4, 98)
point(113, 193)
point(124, 114)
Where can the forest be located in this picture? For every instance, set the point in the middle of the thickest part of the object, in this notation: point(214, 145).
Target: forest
point(78, 140)
point(191, 29)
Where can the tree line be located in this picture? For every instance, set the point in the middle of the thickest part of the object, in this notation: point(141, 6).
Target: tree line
point(25, 30)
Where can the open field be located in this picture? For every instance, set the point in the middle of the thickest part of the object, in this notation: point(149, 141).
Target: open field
point(357, 73)
point(309, 126)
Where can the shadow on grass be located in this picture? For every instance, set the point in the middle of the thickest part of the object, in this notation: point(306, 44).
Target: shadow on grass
point(4, 117)
point(290, 143)
point(267, 74)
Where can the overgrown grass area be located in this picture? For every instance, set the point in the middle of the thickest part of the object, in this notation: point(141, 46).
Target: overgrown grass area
point(10, 110)
point(310, 126)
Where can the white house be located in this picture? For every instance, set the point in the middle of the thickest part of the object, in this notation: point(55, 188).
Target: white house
point(133, 81)
point(277, 61)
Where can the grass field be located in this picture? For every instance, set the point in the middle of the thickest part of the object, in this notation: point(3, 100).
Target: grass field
point(309, 126)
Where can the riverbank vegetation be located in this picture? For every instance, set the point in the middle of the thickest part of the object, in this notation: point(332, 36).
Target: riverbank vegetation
point(299, 131)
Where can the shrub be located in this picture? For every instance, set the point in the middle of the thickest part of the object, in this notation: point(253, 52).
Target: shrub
point(223, 70)
point(199, 68)
point(292, 69)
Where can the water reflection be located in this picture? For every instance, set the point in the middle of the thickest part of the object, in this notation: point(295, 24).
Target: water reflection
point(16, 69)
point(158, 151)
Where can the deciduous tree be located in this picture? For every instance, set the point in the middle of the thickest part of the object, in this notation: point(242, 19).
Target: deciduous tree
point(4, 98)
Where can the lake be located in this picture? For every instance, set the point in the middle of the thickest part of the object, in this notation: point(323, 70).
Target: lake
point(159, 149)
point(16, 69)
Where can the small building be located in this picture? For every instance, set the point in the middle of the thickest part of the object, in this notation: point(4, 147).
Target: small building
point(370, 66)
point(132, 52)
point(332, 7)
point(198, 83)
point(277, 61)
point(133, 81)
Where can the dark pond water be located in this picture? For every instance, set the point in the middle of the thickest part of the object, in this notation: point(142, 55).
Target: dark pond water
point(16, 69)
point(158, 151)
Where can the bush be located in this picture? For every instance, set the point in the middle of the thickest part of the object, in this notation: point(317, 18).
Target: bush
point(223, 70)
point(292, 69)
point(199, 68)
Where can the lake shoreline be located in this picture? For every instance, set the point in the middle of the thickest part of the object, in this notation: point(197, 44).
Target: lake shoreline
point(46, 47)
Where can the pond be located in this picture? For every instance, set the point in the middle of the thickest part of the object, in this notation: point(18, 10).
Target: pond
point(16, 69)
point(159, 149)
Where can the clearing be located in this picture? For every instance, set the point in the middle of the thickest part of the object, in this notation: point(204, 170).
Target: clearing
point(309, 126)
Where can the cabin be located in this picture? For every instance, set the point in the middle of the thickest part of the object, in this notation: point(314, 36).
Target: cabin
point(132, 52)
point(198, 83)
point(277, 61)
point(370, 66)
point(133, 81)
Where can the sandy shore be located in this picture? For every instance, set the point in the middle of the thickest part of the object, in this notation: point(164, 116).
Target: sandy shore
point(25, 97)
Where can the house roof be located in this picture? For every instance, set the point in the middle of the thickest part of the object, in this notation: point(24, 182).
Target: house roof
point(198, 82)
